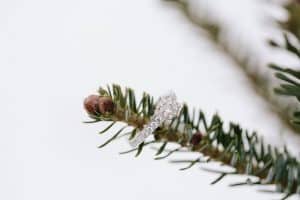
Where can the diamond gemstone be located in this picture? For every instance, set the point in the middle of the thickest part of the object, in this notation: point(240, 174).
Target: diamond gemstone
point(166, 109)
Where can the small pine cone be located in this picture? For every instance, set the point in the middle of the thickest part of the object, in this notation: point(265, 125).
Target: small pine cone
point(196, 138)
point(91, 104)
point(106, 105)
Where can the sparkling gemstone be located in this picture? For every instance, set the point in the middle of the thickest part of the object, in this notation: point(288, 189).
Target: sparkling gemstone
point(166, 109)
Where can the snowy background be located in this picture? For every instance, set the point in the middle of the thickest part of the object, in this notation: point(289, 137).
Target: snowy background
point(54, 53)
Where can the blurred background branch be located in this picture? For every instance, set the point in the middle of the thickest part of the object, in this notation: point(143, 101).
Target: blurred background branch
point(247, 57)
point(293, 22)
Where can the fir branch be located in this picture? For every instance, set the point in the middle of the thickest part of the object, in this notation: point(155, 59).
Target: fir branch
point(262, 81)
point(234, 147)
point(290, 78)
point(293, 23)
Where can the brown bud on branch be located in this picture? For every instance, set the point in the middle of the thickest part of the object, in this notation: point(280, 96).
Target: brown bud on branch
point(196, 138)
point(91, 104)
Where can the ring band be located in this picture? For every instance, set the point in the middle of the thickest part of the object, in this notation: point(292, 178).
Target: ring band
point(167, 107)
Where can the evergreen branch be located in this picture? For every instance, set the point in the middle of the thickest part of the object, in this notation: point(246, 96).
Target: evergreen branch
point(293, 22)
point(243, 151)
point(262, 82)
point(290, 78)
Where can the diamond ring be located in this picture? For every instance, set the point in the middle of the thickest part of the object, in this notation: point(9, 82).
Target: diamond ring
point(167, 107)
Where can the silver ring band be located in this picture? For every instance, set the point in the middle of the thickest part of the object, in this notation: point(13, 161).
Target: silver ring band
point(167, 107)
